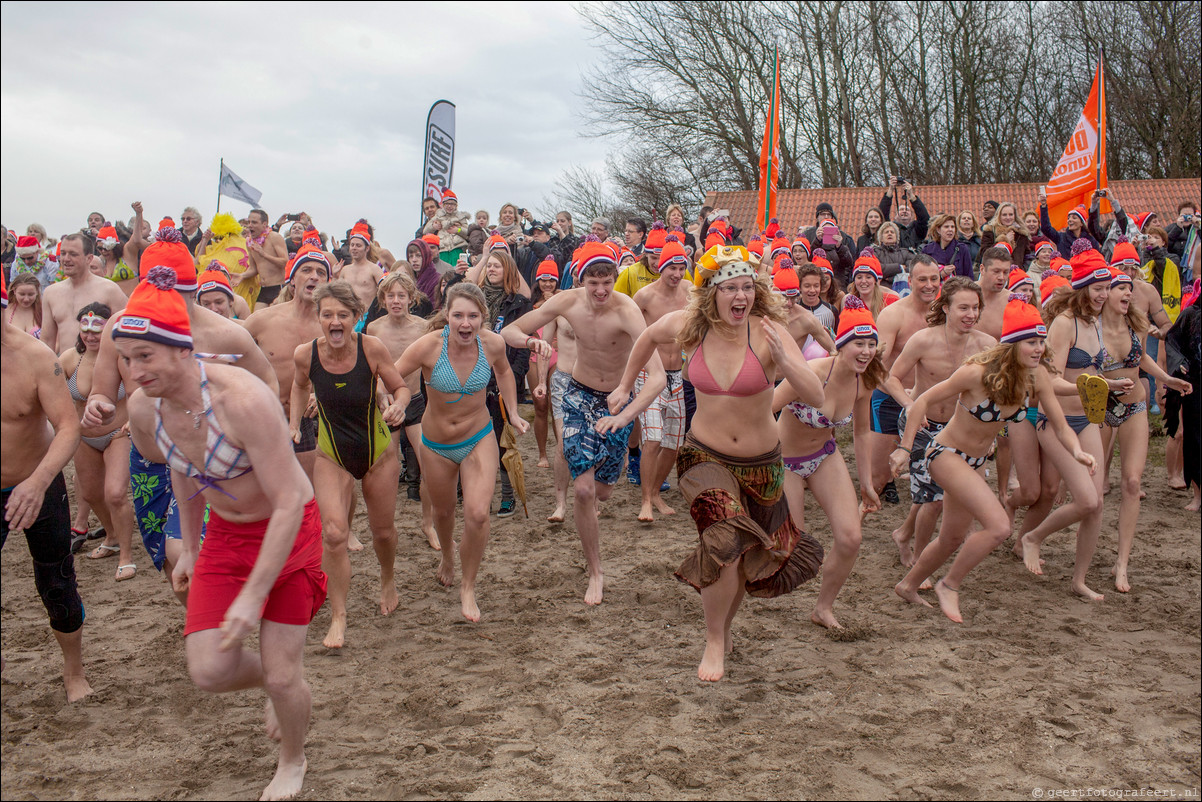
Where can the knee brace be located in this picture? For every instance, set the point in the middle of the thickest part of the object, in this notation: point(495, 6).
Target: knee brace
point(56, 585)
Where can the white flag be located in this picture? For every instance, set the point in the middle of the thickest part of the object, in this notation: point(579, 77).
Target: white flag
point(234, 187)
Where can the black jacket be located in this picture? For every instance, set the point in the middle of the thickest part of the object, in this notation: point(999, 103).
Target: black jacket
point(913, 235)
point(841, 257)
point(513, 307)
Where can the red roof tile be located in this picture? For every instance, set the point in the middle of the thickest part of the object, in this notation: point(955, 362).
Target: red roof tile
point(795, 207)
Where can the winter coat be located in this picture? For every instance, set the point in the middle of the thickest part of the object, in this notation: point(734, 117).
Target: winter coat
point(913, 234)
point(989, 238)
point(956, 254)
point(453, 235)
point(1064, 239)
point(974, 246)
point(841, 258)
point(893, 258)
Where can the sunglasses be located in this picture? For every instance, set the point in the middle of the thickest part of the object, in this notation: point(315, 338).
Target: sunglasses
point(92, 323)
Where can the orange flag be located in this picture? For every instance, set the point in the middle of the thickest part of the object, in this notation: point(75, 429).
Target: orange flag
point(770, 153)
point(1082, 168)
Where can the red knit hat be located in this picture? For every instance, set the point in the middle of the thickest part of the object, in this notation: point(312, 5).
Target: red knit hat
point(211, 280)
point(782, 262)
point(756, 245)
point(1088, 265)
point(785, 281)
point(819, 258)
point(1080, 211)
point(1059, 262)
point(855, 322)
point(1018, 277)
point(1040, 243)
point(156, 313)
point(673, 252)
point(1003, 244)
point(169, 250)
point(780, 246)
point(106, 238)
point(447, 195)
point(593, 253)
point(311, 237)
point(1118, 277)
point(495, 243)
point(432, 239)
point(547, 268)
point(868, 263)
point(166, 222)
point(1049, 285)
point(773, 229)
point(361, 230)
point(655, 237)
point(1124, 254)
point(308, 254)
point(1021, 321)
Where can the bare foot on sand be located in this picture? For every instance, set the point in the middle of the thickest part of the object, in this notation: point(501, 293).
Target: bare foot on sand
point(286, 783)
point(926, 584)
point(645, 513)
point(467, 602)
point(712, 663)
point(77, 687)
point(431, 537)
point(910, 594)
point(353, 543)
point(446, 571)
point(729, 645)
point(388, 598)
point(1121, 584)
point(661, 507)
point(949, 601)
point(1176, 483)
point(557, 516)
point(825, 618)
point(903, 548)
point(272, 722)
point(1085, 593)
point(1031, 557)
point(596, 588)
point(1193, 506)
point(543, 463)
point(336, 637)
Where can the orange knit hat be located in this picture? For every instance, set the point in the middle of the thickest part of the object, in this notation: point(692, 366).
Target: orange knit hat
point(361, 230)
point(169, 250)
point(308, 254)
point(673, 252)
point(1021, 321)
point(855, 322)
point(1049, 285)
point(819, 258)
point(1124, 254)
point(547, 268)
point(868, 263)
point(1089, 267)
point(211, 280)
point(655, 237)
point(156, 313)
point(1018, 277)
point(785, 281)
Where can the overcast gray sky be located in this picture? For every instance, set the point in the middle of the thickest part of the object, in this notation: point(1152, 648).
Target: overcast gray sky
point(320, 106)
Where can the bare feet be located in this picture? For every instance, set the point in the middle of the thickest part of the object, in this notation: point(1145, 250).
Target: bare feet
point(467, 602)
point(446, 572)
point(1085, 593)
point(287, 782)
point(543, 463)
point(729, 645)
point(388, 598)
point(949, 601)
point(77, 687)
point(661, 507)
point(825, 618)
point(557, 516)
point(336, 636)
point(1121, 584)
point(903, 548)
point(1031, 557)
point(353, 543)
point(272, 723)
point(645, 513)
point(909, 594)
point(712, 663)
point(1176, 483)
point(431, 537)
point(596, 587)
point(1193, 506)
point(926, 584)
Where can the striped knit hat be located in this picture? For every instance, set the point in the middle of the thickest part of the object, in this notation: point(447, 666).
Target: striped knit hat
point(655, 237)
point(156, 313)
point(805, 244)
point(1124, 254)
point(756, 245)
point(1051, 282)
point(785, 282)
point(673, 252)
point(308, 254)
point(1118, 277)
point(1089, 267)
point(211, 280)
point(819, 258)
point(855, 322)
point(1018, 278)
point(495, 243)
point(169, 250)
point(1079, 211)
point(1021, 321)
point(547, 268)
point(361, 231)
point(868, 263)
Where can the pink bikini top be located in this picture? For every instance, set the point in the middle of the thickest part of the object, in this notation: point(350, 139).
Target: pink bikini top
point(751, 380)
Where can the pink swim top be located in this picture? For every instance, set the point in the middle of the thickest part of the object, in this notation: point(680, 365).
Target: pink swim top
point(751, 380)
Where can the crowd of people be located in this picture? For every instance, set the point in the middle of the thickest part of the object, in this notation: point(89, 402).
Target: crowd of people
point(228, 391)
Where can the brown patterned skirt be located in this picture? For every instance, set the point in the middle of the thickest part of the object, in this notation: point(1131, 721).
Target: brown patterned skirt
point(740, 510)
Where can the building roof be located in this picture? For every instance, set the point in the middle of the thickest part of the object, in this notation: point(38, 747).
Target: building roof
point(795, 207)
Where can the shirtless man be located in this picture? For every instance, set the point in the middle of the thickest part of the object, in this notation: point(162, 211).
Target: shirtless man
point(562, 336)
point(398, 330)
point(260, 571)
point(931, 356)
point(40, 435)
point(897, 323)
point(606, 324)
point(995, 271)
point(268, 255)
point(216, 295)
point(62, 301)
point(363, 275)
point(154, 504)
point(661, 425)
point(278, 330)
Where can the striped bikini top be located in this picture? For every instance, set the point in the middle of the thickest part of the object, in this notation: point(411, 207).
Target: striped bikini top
point(73, 385)
point(444, 379)
point(223, 460)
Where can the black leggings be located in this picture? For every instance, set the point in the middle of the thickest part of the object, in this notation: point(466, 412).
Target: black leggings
point(49, 540)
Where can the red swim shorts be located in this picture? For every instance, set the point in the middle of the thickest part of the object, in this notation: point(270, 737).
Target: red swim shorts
point(225, 562)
